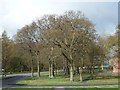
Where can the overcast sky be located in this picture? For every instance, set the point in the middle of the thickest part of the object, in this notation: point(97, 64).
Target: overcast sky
point(14, 14)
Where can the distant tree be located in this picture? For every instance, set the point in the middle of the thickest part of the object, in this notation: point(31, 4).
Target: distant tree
point(25, 38)
point(30, 39)
point(112, 42)
point(1, 54)
point(118, 39)
point(5, 51)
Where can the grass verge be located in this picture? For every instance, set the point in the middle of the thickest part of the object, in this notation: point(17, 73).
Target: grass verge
point(44, 79)
point(106, 87)
point(28, 88)
point(114, 80)
point(61, 79)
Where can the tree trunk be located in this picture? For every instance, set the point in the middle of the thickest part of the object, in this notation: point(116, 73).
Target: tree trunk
point(32, 72)
point(80, 71)
point(74, 69)
point(92, 72)
point(5, 72)
point(56, 72)
point(38, 68)
point(71, 72)
point(56, 69)
point(51, 70)
point(93, 69)
point(67, 70)
point(77, 70)
point(102, 67)
point(21, 68)
point(32, 69)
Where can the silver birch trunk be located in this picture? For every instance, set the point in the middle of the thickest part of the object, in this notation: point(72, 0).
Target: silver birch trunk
point(38, 68)
point(80, 71)
point(71, 72)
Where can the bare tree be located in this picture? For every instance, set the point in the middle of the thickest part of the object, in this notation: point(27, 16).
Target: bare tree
point(69, 32)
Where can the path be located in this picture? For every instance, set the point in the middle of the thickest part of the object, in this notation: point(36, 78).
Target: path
point(59, 88)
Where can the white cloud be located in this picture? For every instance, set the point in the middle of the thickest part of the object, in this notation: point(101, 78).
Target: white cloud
point(14, 14)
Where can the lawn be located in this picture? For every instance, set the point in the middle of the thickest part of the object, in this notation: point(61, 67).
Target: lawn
point(61, 79)
point(114, 80)
point(92, 88)
point(110, 87)
point(28, 88)
point(105, 86)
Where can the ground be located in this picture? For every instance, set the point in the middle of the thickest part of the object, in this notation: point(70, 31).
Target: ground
point(44, 83)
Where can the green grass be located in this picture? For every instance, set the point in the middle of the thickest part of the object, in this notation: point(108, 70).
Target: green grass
point(28, 88)
point(107, 87)
point(110, 87)
point(114, 80)
point(61, 79)
point(44, 79)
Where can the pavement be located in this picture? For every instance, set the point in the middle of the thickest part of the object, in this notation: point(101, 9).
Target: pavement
point(59, 88)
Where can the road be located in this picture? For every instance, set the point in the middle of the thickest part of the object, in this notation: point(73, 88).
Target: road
point(10, 81)
point(13, 78)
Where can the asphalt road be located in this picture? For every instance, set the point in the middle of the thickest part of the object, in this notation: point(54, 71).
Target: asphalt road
point(13, 78)
point(10, 81)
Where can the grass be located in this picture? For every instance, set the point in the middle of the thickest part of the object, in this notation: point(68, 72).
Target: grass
point(110, 87)
point(44, 79)
point(105, 86)
point(115, 87)
point(61, 79)
point(114, 80)
point(28, 88)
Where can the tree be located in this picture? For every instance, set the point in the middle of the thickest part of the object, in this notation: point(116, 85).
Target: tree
point(25, 37)
point(118, 39)
point(18, 59)
point(30, 39)
point(70, 32)
point(69, 37)
point(1, 54)
point(5, 51)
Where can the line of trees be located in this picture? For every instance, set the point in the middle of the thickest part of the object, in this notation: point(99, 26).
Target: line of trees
point(66, 42)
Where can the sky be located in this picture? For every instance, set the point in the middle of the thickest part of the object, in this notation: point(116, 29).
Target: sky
point(14, 14)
